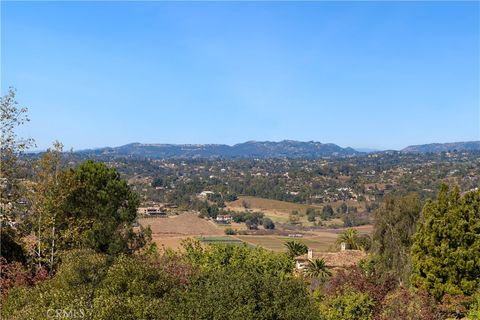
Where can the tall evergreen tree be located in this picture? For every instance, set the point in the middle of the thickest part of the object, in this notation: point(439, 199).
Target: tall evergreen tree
point(446, 247)
point(394, 225)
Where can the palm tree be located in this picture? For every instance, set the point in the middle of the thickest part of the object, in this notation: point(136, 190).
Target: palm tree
point(317, 269)
point(296, 248)
point(350, 238)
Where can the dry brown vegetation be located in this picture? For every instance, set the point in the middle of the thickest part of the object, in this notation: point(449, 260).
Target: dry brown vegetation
point(279, 211)
point(169, 232)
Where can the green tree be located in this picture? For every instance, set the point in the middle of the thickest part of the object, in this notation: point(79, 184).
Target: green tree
point(268, 223)
point(295, 248)
point(327, 212)
point(311, 214)
point(47, 196)
point(347, 304)
point(230, 231)
point(241, 294)
point(293, 218)
point(219, 256)
point(132, 289)
point(394, 225)
point(317, 269)
point(446, 246)
point(474, 309)
point(12, 172)
point(12, 116)
point(72, 288)
point(100, 210)
point(350, 238)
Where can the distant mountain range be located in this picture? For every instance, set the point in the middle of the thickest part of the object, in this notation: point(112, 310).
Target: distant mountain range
point(259, 149)
point(444, 147)
point(250, 149)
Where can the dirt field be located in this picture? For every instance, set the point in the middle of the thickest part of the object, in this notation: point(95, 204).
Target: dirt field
point(316, 240)
point(183, 224)
point(169, 232)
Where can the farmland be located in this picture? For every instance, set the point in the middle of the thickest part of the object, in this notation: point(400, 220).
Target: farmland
point(279, 211)
point(171, 231)
point(324, 242)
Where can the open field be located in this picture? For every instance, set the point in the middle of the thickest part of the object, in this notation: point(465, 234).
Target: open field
point(220, 240)
point(268, 205)
point(276, 210)
point(183, 224)
point(276, 243)
point(279, 211)
point(170, 232)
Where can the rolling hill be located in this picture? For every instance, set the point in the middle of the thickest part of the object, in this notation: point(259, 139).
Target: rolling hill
point(250, 149)
point(444, 147)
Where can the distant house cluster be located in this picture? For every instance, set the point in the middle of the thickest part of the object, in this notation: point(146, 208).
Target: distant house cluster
point(152, 211)
point(205, 194)
point(223, 219)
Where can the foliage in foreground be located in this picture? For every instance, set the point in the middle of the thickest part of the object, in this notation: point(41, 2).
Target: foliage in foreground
point(167, 287)
point(394, 225)
point(347, 304)
point(446, 247)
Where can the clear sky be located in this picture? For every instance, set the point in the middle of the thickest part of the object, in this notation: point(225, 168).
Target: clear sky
point(361, 74)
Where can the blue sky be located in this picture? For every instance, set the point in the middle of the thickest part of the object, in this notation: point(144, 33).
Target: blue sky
point(361, 74)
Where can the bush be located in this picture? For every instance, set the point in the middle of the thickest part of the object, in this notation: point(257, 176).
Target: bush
point(243, 257)
point(474, 309)
point(15, 274)
point(377, 286)
point(72, 289)
point(404, 304)
point(241, 294)
point(230, 231)
point(347, 304)
point(454, 306)
point(132, 289)
point(268, 223)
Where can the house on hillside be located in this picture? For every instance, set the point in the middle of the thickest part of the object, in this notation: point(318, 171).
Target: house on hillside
point(204, 194)
point(333, 260)
point(157, 211)
point(223, 219)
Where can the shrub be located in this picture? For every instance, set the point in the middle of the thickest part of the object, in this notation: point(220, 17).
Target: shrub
point(377, 286)
point(474, 309)
point(15, 274)
point(347, 304)
point(233, 293)
point(404, 304)
point(230, 231)
point(72, 289)
point(268, 223)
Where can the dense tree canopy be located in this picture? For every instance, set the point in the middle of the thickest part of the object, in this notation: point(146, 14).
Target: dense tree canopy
point(394, 224)
point(446, 247)
point(148, 287)
point(103, 208)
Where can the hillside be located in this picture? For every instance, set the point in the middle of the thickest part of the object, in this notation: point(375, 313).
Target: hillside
point(444, 147)
point(250, 149)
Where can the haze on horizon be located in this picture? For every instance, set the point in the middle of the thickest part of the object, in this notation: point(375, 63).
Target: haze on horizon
point(363, 74)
